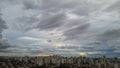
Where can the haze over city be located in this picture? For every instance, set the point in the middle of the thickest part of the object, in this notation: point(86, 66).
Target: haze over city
point(60, 27)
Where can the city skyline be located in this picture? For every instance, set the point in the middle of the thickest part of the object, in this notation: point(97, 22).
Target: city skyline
point(67, 28)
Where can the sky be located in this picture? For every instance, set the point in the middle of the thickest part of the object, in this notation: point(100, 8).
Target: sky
point(62, 27)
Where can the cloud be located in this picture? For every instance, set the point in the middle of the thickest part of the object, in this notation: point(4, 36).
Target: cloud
point(52, 22)
point(114, 6)
point(47, 5)
point(29, 38)
point(76, 31)
point(3, 43)
point(25, 23)
point(2, 26)
point(31, 4)
point(90, 27)
point(5, 3)
point(113, 34)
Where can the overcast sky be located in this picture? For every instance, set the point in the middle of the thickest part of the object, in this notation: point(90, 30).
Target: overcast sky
point(63, 27)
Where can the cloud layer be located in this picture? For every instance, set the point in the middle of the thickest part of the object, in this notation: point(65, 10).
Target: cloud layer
point(4, 44)
point(2, 26)
point(61, 27)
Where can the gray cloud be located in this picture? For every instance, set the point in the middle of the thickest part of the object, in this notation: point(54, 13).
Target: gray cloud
point(69, 47)
point(5, 3)
point(51, 6)
point(2, 26)
point(53, 12)
point(35, 51)
point(31, 4)
point(113, 34)
point(25, 23)
point(3, 43)
point(78, 7)
point(85, 24)
point(114, 6)
point(52, 22)
point(48, 22)
point(77, 31)
point(54, 15)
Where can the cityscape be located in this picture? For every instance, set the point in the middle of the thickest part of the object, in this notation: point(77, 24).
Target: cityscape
point(58, 62)
point(59, 33)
